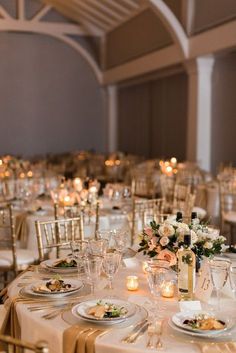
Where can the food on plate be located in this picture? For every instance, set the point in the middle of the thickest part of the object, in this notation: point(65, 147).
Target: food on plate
point(65, 263)
point(106, 310)
point(205, 322)
point(54, 286)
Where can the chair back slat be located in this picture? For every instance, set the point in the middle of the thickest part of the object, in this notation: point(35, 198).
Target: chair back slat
point(10, 344)
point(56, 234)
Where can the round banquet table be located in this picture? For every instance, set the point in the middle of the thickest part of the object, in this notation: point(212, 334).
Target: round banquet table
point(34, 328)
point(109, 219)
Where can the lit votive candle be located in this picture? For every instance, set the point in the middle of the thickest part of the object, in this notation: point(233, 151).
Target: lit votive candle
point(68, 201)
point(132, 282)
point(168, 289)
point(144, 266)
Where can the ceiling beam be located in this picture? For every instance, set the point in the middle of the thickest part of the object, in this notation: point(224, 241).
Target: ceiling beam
point(21, 9)
point(72, 12)
point(108, 10)
point(87, 17)
point(97, 14)
point(41, 13)
point(115, 4)
point(4, 13)
point(131, 3)
point(154, 61)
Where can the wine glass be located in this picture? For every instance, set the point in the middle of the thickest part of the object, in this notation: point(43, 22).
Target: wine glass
point(93, 267)
point(219, 269)
point(79, 253)
point(110, 266)
point(107, 235)
point(120, 238)
point(232, 277)
point(97, 247)
point(157, 271)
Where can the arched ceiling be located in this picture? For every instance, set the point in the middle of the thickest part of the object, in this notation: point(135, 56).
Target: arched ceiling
point(98, 16)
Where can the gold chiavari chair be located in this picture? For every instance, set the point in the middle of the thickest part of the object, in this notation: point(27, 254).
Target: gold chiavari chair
point(183, 199)
point(142, 210)
point(57, 234)
point(11, 344)
point(12, 259)
point(228, 207)
point(86, 212)
point(167, 191)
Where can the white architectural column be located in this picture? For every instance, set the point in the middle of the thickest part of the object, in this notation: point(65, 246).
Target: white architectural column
point(199, 110)
point(112, 117)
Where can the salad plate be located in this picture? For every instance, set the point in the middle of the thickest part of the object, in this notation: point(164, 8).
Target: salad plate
point(105, 311)
point(64, 265)
point(54, 288)
point(202, 323)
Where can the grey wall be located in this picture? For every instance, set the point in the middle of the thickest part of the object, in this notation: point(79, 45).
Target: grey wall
point(50, 100)
point(224, 111)
point(153, 117)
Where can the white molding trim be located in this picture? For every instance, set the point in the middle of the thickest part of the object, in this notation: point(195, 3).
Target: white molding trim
point(41, 13)
point(147, 63)
point(172, 25)
point(112, 112)
point(200, 110)
point(21, 9)
point(187, 15)
point(215, 40)
point(4, 13)
point(220, 38)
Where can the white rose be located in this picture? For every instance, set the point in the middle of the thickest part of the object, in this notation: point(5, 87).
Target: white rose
point(164, 241)
point(208, 245)
point(166, 230)
point(194, 237)
point(182, 229)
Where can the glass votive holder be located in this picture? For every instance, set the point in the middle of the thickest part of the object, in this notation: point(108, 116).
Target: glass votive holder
point(168, 289)
point(132, 283)
point(144, 266)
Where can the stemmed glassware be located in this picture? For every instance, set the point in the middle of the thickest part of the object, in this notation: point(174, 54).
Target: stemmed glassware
point(93, 267)
point(157, 271)
point(97, 247)
point(232, 276)
point(219, 269)
point(110, 266)
point(79, 253)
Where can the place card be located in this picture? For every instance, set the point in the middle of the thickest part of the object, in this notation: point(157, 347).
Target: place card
point(190, 305)
point(204, 286)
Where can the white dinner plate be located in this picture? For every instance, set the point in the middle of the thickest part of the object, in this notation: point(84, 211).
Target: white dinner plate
point(196, 334)
point(230, 255)
point(32, 289)
point(49, 265)
point(81, 310)
point(180, 317)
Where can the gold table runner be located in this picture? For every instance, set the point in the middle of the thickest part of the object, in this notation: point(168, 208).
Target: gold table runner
point(81, 339)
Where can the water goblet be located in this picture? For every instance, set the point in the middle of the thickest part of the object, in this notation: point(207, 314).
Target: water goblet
point(79, 253)
point(93, 267)
point(157, 271)
point(120, 237)
point(232, 277)
point(219, 269)
point(97, 247)
point(110, 266)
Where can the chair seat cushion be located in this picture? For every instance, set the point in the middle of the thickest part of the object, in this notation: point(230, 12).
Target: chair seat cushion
point(201, 212)
point(230, 217)
point(24, 257)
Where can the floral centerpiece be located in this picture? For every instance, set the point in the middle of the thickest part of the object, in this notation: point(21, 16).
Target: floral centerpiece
point(164, 239)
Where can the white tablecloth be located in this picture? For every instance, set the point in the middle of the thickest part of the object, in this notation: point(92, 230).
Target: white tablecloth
point(34, 328)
